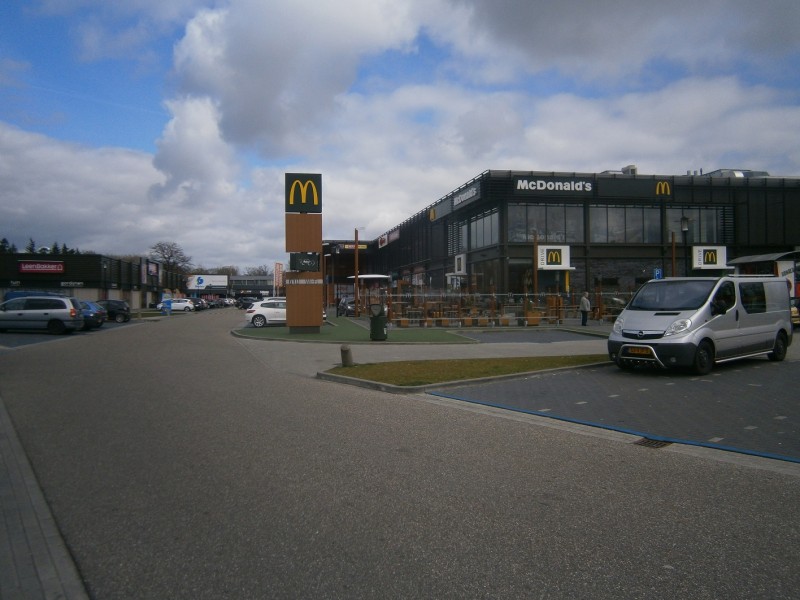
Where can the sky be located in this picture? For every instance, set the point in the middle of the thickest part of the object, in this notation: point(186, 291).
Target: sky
point(124, 124)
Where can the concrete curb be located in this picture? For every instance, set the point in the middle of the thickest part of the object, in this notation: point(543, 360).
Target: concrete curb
point(418, 389)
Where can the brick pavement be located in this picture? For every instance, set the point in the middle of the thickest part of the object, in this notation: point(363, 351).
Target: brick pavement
point(34, 562)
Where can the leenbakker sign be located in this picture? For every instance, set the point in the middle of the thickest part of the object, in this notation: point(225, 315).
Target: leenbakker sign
point(41, 266)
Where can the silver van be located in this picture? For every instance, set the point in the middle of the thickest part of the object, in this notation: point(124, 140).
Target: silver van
point(697, 322)
point(56, 314)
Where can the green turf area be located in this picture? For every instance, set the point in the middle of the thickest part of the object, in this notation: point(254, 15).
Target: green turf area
point(349, 330)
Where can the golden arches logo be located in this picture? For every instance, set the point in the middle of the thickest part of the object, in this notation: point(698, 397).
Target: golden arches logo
point(710, 257)
point(553, 257)
point(663, 188)
point(303, 192)
point(303, 186)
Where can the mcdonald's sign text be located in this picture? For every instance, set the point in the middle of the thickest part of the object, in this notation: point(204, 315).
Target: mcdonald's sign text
point(304, 192)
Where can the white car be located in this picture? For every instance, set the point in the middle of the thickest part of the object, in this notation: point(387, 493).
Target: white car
point(267, 312)
point(183, 304)
point(270, 311)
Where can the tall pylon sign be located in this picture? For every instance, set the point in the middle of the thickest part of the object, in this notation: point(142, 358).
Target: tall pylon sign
point(303, 281)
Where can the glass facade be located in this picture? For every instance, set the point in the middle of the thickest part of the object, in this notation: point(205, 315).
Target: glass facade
point(484, 230)
point(549, 223)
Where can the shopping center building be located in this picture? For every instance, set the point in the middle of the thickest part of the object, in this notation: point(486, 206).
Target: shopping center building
point(139, 282)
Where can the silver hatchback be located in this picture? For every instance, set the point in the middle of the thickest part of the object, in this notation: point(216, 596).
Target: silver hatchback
point(56, 314)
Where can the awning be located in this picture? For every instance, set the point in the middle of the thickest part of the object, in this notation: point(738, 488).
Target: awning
point(742, 260)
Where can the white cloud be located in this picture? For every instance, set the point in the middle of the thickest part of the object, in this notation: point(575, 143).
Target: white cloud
point(263, 88)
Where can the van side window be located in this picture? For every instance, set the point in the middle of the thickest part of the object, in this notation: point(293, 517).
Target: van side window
point(753, 297)
point(43, 304)
point(725, 297)
point(15, 304)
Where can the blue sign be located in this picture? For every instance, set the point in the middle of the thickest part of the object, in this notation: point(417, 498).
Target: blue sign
point(658, 274)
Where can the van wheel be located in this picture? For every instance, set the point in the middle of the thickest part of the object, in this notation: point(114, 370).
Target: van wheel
point(56, 327)
point(119, 318)
point(703, 359)
point(779, 349)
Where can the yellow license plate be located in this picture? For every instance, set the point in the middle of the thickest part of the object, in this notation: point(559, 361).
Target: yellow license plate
point(639, 351)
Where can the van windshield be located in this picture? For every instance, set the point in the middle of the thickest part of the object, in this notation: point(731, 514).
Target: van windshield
point(672, 295)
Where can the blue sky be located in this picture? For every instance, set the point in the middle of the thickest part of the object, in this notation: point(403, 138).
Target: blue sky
point(123, 124)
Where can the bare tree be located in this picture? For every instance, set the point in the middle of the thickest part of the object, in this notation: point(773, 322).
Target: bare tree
point(229, 270)
point(172, 256)
point(259, 270)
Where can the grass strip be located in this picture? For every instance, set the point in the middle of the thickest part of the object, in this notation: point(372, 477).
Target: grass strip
point(427, 372)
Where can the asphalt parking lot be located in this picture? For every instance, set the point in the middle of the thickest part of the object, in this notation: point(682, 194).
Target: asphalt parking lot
point(748, 406)
point(19, 338)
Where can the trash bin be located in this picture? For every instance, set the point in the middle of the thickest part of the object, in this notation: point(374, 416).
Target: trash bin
point(377, 322)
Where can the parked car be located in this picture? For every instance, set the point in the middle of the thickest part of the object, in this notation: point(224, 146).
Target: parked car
point(118, 310)
point(11, 294)
point(271, 311)
point(94, 315)
point(245, 301)
point(183, 304)
point(346, 307)
point(199, 303)
point(795, 312)
point(56, 314)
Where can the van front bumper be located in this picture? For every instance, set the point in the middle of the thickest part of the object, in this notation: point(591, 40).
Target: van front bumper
point(664, 355)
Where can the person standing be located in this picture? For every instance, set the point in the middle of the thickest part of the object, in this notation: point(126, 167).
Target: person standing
point(585, 307)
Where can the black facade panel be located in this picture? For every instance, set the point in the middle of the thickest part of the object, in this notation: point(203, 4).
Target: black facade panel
point(757, 219)
point(791, 222)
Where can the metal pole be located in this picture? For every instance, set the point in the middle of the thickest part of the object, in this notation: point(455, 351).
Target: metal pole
point(674, 267)
point(685, 231)
point(536, 266)
point(355, 278)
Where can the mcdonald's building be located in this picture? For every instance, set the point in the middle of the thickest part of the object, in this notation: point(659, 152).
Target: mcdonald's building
point(508, 232)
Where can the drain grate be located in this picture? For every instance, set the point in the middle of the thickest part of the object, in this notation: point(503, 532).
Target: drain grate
point(648, 443)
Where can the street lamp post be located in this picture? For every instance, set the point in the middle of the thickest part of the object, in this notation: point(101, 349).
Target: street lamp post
point(355, 278)
point(685, 232)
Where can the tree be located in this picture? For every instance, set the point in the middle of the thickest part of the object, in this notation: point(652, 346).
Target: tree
point(172, 256)
point(55, 248)
point(229, 270)
point(259, 270)
point(4, 246)
point(31, 247)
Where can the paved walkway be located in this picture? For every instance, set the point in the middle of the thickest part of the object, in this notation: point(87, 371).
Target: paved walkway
point(34, 562)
